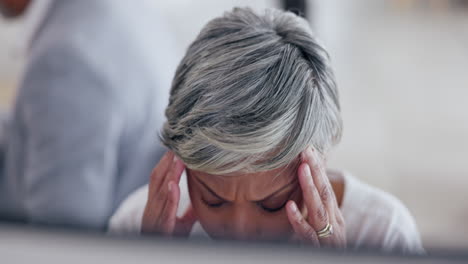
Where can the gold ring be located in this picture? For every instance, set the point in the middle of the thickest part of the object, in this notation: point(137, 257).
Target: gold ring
point(326, 231)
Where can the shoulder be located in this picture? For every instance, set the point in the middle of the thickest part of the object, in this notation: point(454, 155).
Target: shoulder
point(127, 218)
point(59, 86)
point(88, 30)
point(375, 218)
point(122, 44)
point(62, 75)
point(104, 26)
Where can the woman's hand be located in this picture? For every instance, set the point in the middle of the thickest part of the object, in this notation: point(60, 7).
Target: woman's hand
point(320, 203)
point(160, 216)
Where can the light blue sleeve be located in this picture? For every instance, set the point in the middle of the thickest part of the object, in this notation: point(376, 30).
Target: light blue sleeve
point(72, 125)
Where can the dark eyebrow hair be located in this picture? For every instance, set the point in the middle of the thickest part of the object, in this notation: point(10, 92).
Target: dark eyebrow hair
point(257, 201)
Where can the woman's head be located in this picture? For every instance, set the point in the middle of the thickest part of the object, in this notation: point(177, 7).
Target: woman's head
point(252, 92)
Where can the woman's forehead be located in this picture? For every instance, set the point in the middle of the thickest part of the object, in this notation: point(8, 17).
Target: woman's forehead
point(274, 177)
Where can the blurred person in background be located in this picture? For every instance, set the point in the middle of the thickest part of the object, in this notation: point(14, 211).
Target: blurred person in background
point(81, 135)
point(253, 112)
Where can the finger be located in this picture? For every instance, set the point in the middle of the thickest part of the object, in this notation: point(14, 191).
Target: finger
point(304, 231)
point(159, 171)
point(151, 217)
point(156, 200)
point(185, 223)
point(159, 201)
point(317, 213)
point(169, 212)
point(173, 174)
point(152, 207)
point(179, 168)
point(320, 179)
point(162, 169)
point(149, 223)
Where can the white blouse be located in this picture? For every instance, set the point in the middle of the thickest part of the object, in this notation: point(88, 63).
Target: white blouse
point(373, 218)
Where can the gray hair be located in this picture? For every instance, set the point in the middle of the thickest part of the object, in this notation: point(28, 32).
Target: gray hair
point(252, 92)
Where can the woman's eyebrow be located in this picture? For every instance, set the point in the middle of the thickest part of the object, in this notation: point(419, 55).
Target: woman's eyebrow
point(277, 191)
point(209, 189)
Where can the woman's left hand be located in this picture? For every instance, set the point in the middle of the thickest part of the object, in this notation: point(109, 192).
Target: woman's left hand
point(320, 202)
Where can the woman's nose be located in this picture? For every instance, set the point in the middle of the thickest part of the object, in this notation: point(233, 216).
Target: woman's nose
point(242, 227)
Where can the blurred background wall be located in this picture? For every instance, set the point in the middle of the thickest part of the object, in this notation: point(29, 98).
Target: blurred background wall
point(402, 68)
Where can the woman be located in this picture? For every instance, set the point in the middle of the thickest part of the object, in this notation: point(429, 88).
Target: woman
point(253, 112)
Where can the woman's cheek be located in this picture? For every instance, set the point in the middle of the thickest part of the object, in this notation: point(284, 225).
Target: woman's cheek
point(276, 226)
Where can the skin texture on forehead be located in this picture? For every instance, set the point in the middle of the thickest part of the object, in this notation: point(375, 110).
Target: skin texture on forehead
point(251, 186)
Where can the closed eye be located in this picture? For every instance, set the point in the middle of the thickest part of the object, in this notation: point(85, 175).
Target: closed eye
point(213, 204)
point(275, 204)
point(215, 201)
point(273, 209)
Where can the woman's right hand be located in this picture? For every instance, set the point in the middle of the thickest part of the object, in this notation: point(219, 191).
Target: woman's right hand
point(160, 215)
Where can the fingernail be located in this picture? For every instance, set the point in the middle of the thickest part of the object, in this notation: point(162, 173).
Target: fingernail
point(175, 158)
point(169, 186)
